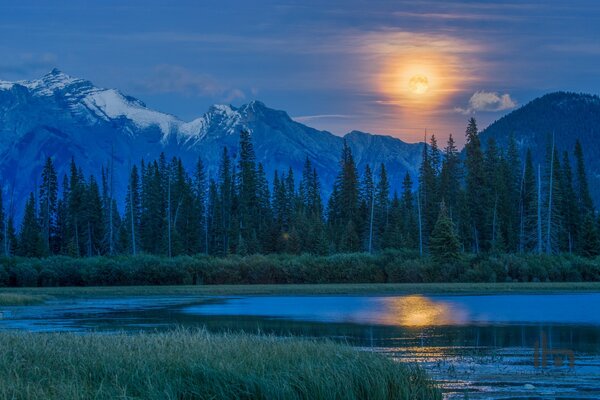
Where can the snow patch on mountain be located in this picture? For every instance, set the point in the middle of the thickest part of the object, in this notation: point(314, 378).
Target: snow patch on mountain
point(111, 104)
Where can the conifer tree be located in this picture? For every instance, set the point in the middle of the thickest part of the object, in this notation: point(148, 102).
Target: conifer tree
point(450, 177)
point(381, 207)
point(247, 191)
point(48, 202)
point(30, 239)
point(590, 241)
point(408, 213)
point(476, 196)
point(344, 204)
point(200, 189)
point(93, 218)
point(3, 226)
point(584, 199)
point(568, 208)
point(528, 207)
point(132, 216)
point(444, 244)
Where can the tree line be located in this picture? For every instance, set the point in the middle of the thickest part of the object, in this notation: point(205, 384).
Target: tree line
point(490, 200)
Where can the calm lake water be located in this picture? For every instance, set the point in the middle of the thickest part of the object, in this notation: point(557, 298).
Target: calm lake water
point(476, 347)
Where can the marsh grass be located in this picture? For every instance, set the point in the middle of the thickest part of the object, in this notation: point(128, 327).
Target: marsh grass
point(21, 299)
point(198, 365)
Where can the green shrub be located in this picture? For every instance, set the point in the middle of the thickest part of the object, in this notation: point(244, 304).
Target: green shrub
point(391, 266)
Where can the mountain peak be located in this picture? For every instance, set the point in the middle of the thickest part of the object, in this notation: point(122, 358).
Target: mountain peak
point(55, 71)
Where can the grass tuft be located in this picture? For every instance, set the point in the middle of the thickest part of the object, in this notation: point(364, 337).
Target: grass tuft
point(198, 365)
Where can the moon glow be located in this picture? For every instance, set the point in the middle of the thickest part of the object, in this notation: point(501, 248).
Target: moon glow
point(418, 84)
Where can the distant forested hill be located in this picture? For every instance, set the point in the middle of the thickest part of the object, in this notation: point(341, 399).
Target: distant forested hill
point(570, 116)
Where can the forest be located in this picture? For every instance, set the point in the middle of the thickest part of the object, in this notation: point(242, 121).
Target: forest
point(485, 202)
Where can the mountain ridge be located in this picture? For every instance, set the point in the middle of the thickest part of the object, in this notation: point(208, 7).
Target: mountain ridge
point(62, 117)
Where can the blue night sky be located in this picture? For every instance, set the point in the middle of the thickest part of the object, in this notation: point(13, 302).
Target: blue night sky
point(390, 67)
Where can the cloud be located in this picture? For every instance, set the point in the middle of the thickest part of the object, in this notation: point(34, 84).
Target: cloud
point(27, 65)
point(488, 101)
point(309, 118)
point(176, 79)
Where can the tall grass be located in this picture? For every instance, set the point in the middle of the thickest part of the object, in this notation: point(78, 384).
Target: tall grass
point(198, 365)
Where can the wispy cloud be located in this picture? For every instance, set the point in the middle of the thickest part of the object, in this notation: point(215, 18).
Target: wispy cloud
point(488, 101)
point(310, 118)
point(176, 79)
point(27, 65)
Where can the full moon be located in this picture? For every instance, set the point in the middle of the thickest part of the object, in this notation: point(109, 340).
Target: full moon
point(418, 84)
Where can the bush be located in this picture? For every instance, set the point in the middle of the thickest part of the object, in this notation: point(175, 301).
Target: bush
point(390, 266)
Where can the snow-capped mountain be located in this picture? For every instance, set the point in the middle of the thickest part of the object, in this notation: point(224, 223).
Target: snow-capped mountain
point(63, 117)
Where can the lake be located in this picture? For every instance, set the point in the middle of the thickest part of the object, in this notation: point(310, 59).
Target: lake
point(523, 346)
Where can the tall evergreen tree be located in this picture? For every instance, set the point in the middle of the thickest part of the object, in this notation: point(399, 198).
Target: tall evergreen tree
point(130, 229)
point(30, 238)
point(476, 193)
point(381, 208)
point(48, 203)
point(247, 190)
point(444, 243)
point(344, 204)
point(584, 199)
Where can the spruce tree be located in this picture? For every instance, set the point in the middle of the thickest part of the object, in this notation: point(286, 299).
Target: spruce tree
point(247, 191)
point(381, 211)
point(48, 202)
point(132, 216)
point(584, 199)
point(444, 244)
point(528, 207)
point(408, 213)
point(30, 238)
point(344, 204)
point(590, 241)
point(476, 188)
point(3, 227)
point(200, 189)
point(450, 177)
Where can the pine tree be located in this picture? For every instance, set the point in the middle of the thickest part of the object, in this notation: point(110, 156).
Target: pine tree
point(428, 189)
point(393, 236)
point(408, 214)
point(93, 218)
point(553, 217)
point(153, 211)
point(30, 239)
point(494, 192)
point(450, 176)
point(568, 209)
point(444, 244)
point(590, 241)
point(381, 207)
point(247, 191)
point(584, 199)
point(528, 206)
point(132, 216)
point(367, 208)
point(3, 227)
point(265, 214)
point(476, 193)
point(200, 192)
point(48, 199)
point(344, 205)
point(74, 213)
